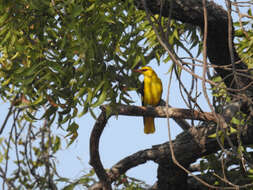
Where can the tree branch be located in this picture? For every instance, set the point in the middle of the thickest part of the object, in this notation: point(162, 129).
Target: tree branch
point(181, 122)
point(105, 179)
point(218, 51)
point(159, 111)
point(94, 151)
point(195, 141)
point(107, 111)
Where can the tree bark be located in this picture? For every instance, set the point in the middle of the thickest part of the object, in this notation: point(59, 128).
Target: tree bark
point(188, 147)
point(193, 143)
point(106, 178)
point(191, 11)
point(171, 177)
point(220, 50)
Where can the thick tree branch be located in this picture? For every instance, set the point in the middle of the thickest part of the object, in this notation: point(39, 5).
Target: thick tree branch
point(94, 151)
point(195, 141)
point(107, 111)
point(191, 11)
point(181, 122)
point(159, 111)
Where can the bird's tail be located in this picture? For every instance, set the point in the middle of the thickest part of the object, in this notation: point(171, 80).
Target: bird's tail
point(149, 125)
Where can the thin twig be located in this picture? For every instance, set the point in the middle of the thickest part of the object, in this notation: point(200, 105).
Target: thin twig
point(240, 19)
point(7, 181)
point(7, 154)
point(166, 46)
point(6, 119)
point(230, 43)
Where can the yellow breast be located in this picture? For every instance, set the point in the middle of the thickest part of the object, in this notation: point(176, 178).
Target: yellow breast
point(152, 90)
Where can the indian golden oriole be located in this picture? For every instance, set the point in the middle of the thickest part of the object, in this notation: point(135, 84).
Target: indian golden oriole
point(151, 92)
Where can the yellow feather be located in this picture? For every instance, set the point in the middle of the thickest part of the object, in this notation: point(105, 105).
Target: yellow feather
point(149, 125)
point(152, 93)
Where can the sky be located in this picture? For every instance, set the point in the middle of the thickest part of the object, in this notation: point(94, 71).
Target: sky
point(122, 136)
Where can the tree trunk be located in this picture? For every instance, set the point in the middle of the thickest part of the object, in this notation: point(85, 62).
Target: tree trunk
point(171, 177)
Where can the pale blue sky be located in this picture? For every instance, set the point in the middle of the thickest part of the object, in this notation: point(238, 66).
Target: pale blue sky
point(123, 136)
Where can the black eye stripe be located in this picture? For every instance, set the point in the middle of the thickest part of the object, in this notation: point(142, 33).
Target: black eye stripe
point(144, 69)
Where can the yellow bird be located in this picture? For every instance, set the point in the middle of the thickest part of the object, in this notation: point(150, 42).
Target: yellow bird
point(151, 94)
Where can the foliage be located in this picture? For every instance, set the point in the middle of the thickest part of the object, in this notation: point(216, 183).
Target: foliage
point(59, 60)
point(231, 164)
point(244, 35)
point(59, 54)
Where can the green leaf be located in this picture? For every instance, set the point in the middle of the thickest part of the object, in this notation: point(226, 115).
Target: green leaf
point(101, 98)
point(80, 93)
point(73, 127)
point(93, 114)
point(232, 131)
point(66, 118)
point(1, 157)
point(31, 116)
point(90, 8)
point(90, 95)
point(3, 30)
point(6, 82)
point(69, 187)
point(3, 18)
point(38, 100)
point(77, 11)
point(28, 118)
point(84, 111)
point(237, 121)
point(167, 59)
point(63, 179)
point(51, 110)
point(214, 134)
point(6, 38)
point(99, 87)
point(57, 144)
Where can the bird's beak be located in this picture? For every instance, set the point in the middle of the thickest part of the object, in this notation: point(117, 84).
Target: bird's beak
point(137, 70)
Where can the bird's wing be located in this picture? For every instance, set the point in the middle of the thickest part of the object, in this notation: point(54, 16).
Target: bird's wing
point(141, 91)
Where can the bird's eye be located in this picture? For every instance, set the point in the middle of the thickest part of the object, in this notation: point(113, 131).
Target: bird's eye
point(144, 69)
